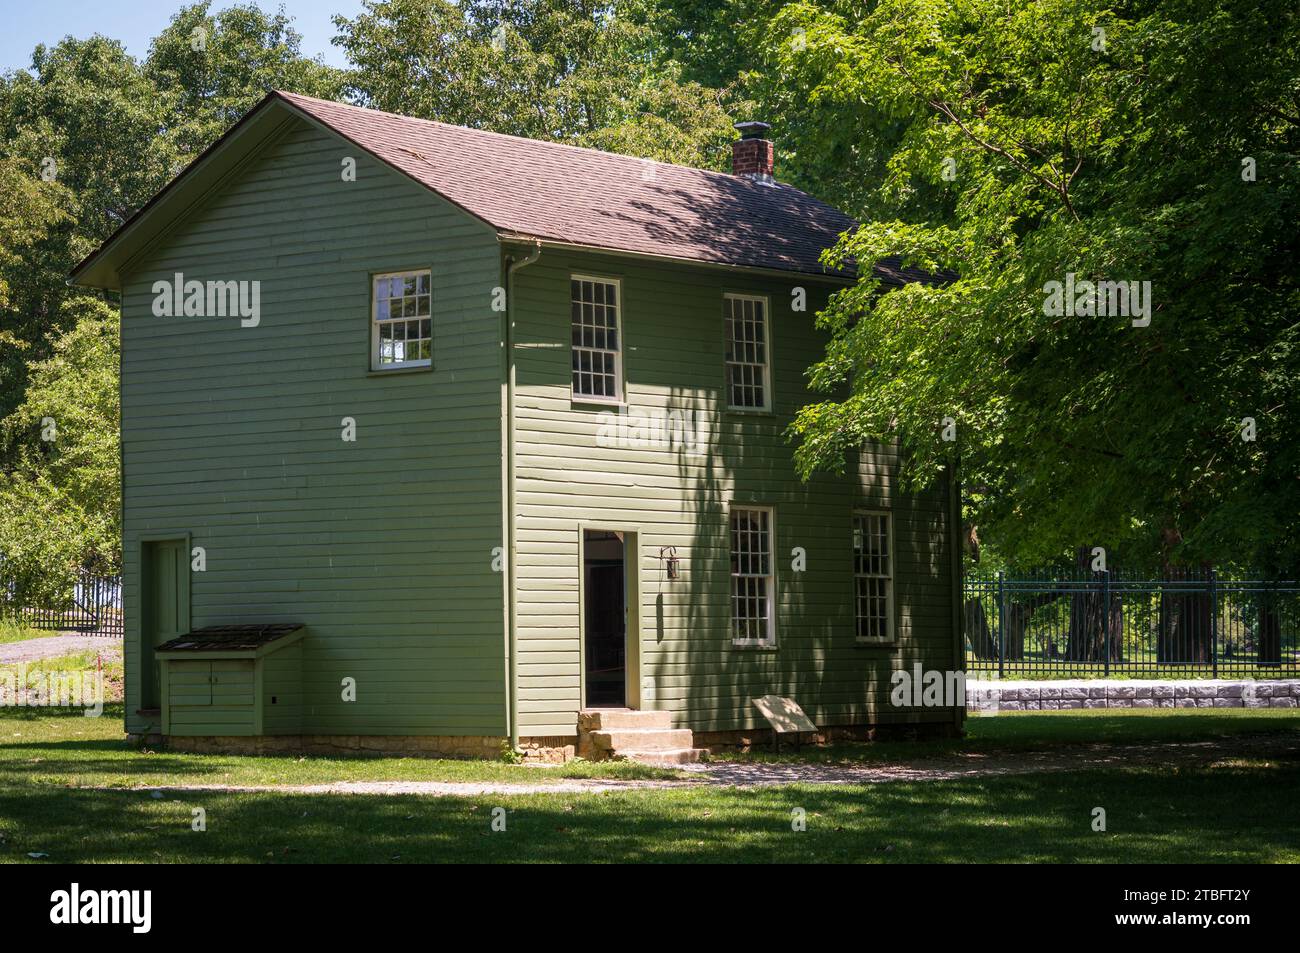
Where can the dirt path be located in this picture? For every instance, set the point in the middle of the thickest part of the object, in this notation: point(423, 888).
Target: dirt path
point(56, 645)
point(758, 774)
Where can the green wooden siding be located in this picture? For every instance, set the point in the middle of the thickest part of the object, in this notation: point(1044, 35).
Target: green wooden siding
point(282, 692)
point(381, 547)
point(673, 358)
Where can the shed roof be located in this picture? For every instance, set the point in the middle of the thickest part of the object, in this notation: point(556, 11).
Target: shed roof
point(230, 638)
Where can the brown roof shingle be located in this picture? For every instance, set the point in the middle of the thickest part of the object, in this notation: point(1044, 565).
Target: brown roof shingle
point(586, 197)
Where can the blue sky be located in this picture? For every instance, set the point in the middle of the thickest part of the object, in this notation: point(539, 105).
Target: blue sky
point(136, 22)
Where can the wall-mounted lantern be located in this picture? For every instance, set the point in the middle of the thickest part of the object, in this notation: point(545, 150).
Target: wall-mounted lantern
point(670, 561)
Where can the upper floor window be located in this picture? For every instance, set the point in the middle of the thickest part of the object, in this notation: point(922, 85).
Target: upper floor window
point(597, 341)
point(401, 328)
point(753, 617)
point(873, 577)
point(748, 358)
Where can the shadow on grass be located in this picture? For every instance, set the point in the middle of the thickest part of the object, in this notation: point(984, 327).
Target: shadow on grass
point(1034, 732)
point(64, 747)
point(1222, 814)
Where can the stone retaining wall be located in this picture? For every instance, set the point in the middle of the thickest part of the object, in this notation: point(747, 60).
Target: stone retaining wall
point(1053, 695)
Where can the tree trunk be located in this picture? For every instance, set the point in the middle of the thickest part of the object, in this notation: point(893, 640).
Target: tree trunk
point(1086, 641)
point(1087, 636)
point(1184, 635)
point(1018, 616)
point(981, 639)
point(1270, 633)
point(1116, 627)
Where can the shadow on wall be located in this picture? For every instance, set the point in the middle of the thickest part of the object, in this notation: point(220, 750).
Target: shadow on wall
point(706, 679)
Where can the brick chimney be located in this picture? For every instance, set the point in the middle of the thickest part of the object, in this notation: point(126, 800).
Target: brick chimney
point(753, 155)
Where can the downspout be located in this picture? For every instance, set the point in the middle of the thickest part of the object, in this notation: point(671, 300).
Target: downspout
point(512, 630)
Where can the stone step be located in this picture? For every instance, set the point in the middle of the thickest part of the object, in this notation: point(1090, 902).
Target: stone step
point(614, 719)
point(668, 757)
point(642, 739)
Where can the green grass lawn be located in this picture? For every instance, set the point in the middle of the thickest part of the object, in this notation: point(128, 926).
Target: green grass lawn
point(1239, 809)
point(1239, 813)
point(11, 631)
point(58, 748)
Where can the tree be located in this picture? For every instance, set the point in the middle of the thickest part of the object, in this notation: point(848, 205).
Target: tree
point(558, 70)
point(60, 503)
point(34, 214)
point(1012, 147)
point(211, 68)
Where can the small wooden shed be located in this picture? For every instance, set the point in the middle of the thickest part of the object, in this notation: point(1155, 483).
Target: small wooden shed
point(224, 680)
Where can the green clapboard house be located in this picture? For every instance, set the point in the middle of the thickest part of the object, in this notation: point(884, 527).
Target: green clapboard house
point(433, 438)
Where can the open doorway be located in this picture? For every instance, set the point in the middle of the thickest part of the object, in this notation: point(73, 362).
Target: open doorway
point(604, 619)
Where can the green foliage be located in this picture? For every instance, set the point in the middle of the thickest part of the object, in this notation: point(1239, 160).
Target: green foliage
point(1122, 163)
point(245, 53)
point(15, 631)
point(712, 40)
point(575, 72)
point(60, 502)
point(34, 215)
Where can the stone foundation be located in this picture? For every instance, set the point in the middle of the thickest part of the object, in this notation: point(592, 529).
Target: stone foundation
point(745, 739)
point(426, 746)
point(1055, 695)
point(541, 750)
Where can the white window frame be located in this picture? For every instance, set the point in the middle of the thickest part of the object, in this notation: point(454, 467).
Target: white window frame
point(769, 638)
point(617, 352)
point(375, 323)
point(891, 554)
point(766, 406)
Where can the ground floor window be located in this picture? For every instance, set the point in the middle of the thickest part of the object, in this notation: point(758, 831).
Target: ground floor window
point(753, 619)
point(873, 577)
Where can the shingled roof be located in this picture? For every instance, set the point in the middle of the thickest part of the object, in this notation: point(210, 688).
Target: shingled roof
point(529, 189)
point(587, 197)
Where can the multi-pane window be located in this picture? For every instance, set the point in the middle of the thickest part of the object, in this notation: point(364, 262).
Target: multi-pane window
point(597, 373)
point(752, 584)
point(747, 352)
point(401, 328)
point(873, 577)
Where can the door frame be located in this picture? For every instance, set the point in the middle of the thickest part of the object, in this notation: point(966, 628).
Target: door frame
point(143, 652)
point(631, 608)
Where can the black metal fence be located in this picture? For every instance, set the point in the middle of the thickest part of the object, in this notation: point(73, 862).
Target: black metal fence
point(90, 605)
point(1093, 625)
